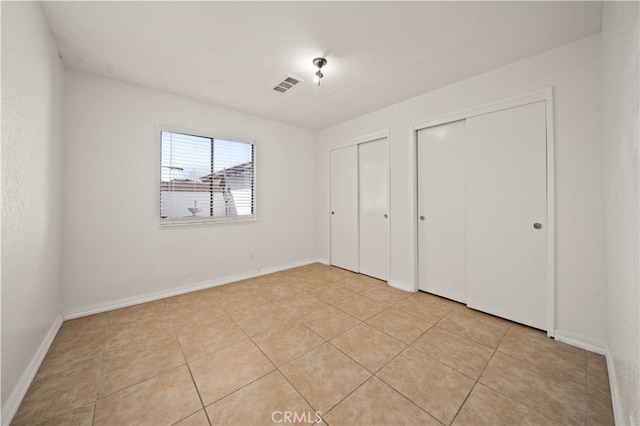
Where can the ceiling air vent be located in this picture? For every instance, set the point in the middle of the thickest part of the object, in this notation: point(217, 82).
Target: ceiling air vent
point(287, 83)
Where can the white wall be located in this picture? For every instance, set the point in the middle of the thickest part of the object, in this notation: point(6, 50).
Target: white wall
point(32, 104)
point(114, 246)
point(574, 72)
point(620, 50)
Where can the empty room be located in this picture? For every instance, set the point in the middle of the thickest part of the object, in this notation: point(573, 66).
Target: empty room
point(332, 213)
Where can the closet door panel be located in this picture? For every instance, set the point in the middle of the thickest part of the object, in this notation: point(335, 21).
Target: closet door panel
point(374, 208)
point(344, 207)
point(441, 210)
point(506, 214)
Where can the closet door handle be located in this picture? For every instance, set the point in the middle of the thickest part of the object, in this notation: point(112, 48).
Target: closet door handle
point(537, 225)
point(386, 215)
point(421, 217)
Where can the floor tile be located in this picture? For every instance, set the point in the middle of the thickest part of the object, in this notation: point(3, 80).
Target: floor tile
point(375, 403)
point(436, 388)
point(283, 277)
point(197, 419)
point(276, 293)
point(386, 294)
point(533, 345)
point(223, 372)
point(287, 342)
point(324, 376)
point(360, 306)
point(487, 407)
point(145, 312)
point(52, 396)
point(79, 417)
point(559, 398)
point(69, 339)
point(127, 336)
point(203, 339)
point(368, 346)
point(402, 326)
point(63, 355)
point(425, 307)
point(310, 283)
point(232, 291)
point(332, 293)
point(334, 274)
point(265, 401)
point(329, 321)
point(260, 318)
point(464, 355)
point(597, 374)
point(310, 269)
point(300, 305)
point(360, 283)
point(90, 323)
point(164, 399)
point(244, 302)
point(477, 326)
point(205, 297)
point(262, 343)
point(599, 408)
point(121, 368)
point(184, 316)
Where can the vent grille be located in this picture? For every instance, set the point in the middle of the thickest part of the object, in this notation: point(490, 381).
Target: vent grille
point(289, 82)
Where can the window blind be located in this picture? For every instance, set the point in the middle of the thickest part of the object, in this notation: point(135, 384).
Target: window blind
point(205, 179)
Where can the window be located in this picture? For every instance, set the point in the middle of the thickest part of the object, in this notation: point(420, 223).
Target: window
point(204, 179)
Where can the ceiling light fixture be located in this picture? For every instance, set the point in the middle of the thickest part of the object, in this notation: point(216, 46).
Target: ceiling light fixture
point(319, 62)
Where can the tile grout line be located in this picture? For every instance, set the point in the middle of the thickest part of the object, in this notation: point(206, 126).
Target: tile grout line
point(186, 362)
point(102, 361)
point(299, 321)
point(586, 388)
point(480, 375)
point(284, 376)
point(276, 368)
point(509, 397)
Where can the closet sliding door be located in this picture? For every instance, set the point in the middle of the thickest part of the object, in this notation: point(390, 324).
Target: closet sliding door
point(359, 201)
point(506, 214)
point(441, 224)
point(483, 213)
point(373, 188)
point(344, 207)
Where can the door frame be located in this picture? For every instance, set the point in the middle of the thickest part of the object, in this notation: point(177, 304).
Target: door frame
point(546, 95)
point(381, 134)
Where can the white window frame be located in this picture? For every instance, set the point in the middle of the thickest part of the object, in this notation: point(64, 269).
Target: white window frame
point(203, 220)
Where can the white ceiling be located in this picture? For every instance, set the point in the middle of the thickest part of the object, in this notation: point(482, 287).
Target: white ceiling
point(233, 53)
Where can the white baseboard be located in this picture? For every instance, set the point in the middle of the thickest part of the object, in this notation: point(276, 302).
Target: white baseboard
point(323, 261)
point(401, 286)
point(17, 395)
point(615, 390)
point(150, 297)
point(581, 342)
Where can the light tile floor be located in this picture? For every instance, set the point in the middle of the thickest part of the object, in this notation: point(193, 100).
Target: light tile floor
point(316, 339)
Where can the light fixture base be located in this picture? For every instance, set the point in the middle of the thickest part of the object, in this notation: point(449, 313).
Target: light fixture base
point(319, 62)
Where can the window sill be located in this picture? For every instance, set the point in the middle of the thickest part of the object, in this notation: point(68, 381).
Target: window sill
point(205, 221)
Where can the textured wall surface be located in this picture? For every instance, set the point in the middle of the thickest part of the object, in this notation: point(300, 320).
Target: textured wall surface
point(32, 104)
point(620, 51)
point(114, 246)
